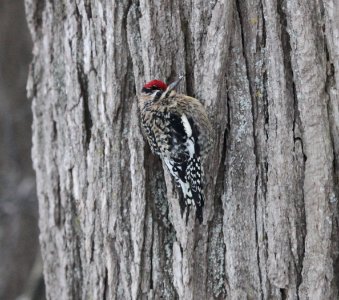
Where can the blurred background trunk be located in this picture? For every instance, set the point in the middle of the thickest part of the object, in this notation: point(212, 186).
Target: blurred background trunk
point(20, 261)
point(267, 72)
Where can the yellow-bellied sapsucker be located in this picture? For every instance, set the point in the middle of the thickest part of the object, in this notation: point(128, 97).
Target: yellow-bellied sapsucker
point(178, 130)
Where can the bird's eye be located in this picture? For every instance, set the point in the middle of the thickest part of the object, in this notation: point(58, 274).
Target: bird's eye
point(157, 95)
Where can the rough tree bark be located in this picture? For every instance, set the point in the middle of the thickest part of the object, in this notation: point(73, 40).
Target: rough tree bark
point(267, 72)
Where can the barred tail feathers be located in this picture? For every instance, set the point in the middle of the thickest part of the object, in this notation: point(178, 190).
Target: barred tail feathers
point(191, 197)
point(190, 186)
point(194, 177)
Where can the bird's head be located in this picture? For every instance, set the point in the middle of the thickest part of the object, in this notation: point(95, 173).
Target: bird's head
point(157, 89)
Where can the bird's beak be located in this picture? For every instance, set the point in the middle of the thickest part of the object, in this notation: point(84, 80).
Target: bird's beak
point(174, 84)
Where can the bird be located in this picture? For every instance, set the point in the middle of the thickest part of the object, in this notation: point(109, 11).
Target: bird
point(178, 130)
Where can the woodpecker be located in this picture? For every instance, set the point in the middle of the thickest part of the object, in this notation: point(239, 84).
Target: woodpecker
point(179, 132)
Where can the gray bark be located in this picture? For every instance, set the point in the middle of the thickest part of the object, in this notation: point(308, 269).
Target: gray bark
point(267, 72)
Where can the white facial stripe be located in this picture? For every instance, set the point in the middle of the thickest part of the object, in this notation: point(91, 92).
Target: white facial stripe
point(187, 125)
point(154, 94)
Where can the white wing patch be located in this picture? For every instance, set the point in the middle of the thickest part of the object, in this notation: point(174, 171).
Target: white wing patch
point(190, 147)
point(188, 129)
point(187, 126)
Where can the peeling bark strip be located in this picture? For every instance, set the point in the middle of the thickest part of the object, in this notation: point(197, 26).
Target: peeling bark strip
point(267, 72)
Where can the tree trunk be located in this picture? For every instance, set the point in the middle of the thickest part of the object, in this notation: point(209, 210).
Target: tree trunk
point(267, 72)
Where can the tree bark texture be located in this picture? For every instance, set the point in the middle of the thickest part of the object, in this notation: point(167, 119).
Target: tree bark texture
point(267, 72)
